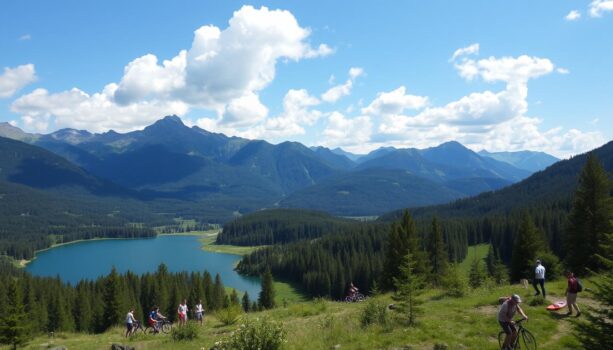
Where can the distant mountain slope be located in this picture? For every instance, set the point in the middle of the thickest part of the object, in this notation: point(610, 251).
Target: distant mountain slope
point(552, 185)
point(338, 160)
point(370, 192)
point(12, 132)
point(445, 162)
point(527, 160)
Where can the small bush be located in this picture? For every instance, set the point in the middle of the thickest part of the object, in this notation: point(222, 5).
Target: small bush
point(185, 333)
point(538, 300)
point(454, 283)
point(374, 312)
point(229, 315)
point(551, 264)
point(309, 309)
point(255, 335)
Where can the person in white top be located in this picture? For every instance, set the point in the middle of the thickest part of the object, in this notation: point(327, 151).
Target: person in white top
point(130, 322)
point(199, 312)
point(539, 279)
point(505, 318)
point(182, 311)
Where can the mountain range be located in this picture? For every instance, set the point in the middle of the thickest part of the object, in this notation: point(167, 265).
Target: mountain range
point(173, 162)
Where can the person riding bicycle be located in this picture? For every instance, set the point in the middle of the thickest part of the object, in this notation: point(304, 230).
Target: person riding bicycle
point(353, 290)
point(154, 317)
point(505, 318)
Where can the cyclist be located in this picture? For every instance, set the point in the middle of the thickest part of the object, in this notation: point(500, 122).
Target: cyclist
point(353, 290)
point(154, 316)
point(505, 318)
point(130, 320)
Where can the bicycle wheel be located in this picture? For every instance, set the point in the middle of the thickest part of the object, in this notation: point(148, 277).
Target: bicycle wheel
point(149, 330)
point(501, 336)
point(166, 327)
point(527, 340)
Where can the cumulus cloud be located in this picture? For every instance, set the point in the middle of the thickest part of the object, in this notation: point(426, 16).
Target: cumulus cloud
point(394, 102)
point(598, 7)
point(98, 112)
point(493, 120)
point(224, 70)
point(347, 132)
point(336, 92)
point(297, 113)
point(562, 70)
point(573, 15)
point(14, 79)
point(25, 37)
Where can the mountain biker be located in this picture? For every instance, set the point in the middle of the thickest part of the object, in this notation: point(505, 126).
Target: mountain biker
point(353, 290)
point(182, 311)
point(154, 316)
point(130, 322)
point(505, 318)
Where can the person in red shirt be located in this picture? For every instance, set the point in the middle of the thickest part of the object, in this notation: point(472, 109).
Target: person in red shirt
point(571, 294)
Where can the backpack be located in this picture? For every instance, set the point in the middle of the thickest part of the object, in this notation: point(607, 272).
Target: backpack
point(579, 286)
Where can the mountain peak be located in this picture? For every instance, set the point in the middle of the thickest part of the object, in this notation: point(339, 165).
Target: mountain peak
point(173, 118)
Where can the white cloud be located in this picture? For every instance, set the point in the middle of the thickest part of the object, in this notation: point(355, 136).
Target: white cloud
point(346, 132)
point(98, 112)
point(573, 15)
point(336, 92)
point(25, 37)
point(599, 7)
point(394, 102)
point(224, 71)
point(14, 79)
point(297, 113)
point(490, 120)
point(562, 70)
point(465, 51)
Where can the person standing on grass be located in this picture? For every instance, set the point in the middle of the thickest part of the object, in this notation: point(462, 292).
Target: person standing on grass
point(199, 312)
point(505, 318)
point(182, 311)
point(571, 294)
point(130, 320)
point(539, 279)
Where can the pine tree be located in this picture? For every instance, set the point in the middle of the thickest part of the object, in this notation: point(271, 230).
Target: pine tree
point(595, 332)
point(437, 253)
point(476, 275)
point(14, 325)
point(219, 293)
point(528, 243)
point(234, 300)
point(495, 267)
point(267, 294)
point(409, 286)
point(246, 302)
point(590, 218)
point(112, 304)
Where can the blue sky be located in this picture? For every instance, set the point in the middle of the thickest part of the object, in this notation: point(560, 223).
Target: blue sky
point(359, 74)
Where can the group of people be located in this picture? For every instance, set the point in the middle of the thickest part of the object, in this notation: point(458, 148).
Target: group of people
point(511, 305)
point(155, 317)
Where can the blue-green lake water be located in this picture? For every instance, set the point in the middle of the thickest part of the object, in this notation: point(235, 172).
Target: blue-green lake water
point(91, 259)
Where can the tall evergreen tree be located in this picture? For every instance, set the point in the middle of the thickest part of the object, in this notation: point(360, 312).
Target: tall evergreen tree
point(267, 294)
point(246, 302)
point(495, 267)
point(112, 304)
point(476, 274)
point(14, 325)
point(409, 286)
point(590, 218)
point(596, 332)
point(437, 252)
point(528, 243)
point(219, 293)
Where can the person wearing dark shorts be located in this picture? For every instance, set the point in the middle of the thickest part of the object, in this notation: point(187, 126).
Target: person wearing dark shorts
point(130, 322)
point(505, 319)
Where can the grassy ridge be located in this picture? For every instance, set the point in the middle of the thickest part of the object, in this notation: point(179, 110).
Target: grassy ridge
point(463, 323)
point(474, 252)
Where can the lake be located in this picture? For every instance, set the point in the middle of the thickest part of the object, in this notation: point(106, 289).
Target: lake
point(91, 259)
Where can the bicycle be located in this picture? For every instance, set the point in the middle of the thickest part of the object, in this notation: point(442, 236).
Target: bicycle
point(355, 298)
point(162, 325)
point(524, 339)
point(137, 327)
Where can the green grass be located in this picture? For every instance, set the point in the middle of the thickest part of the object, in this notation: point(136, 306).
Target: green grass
point(463, 323)
point(475, 251)
point(208, 244)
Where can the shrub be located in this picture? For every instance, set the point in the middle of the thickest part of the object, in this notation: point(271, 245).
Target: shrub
point(374, 312)
point(454, 283)
point(255, 335)
point(185, 333)
point(537, 301)
point(552, 265)
point(229, 315)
